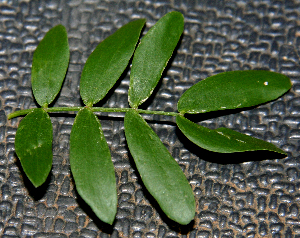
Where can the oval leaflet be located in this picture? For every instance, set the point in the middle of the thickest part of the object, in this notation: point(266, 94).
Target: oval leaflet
point(152, 55)
point(49, 65)
point(222, 140)
point(160, 173)
point(91, 166)
point(234, 89)
point(108, 61)
point(33, 145)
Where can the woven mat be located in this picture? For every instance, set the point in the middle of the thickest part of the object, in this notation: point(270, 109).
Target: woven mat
point(239, 195)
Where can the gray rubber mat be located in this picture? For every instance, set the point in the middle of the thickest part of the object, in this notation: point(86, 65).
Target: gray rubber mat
point(237, 195)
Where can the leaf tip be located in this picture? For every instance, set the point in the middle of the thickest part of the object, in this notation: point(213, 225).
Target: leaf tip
point(36, 184)
point(280, 151)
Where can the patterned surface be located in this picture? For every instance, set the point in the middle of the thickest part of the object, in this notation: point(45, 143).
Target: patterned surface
point(240, 195)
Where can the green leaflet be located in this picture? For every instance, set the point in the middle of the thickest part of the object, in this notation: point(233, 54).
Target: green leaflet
point(152, 55)
point(49, 65)
point(222, 140)
point(160, 173)
point(108, 61)
point(231, 90)
point(33, 145)
point(91, 166)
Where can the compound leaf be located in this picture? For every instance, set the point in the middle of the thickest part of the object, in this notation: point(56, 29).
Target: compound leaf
point(91, 166)
point(33, 145)
point(49, 65)
point(222, 140)
point(152, 55)
point(108, 61)
point(160, 173)
point(235, 89)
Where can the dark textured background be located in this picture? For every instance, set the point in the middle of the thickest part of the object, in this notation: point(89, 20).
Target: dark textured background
point(240, 195)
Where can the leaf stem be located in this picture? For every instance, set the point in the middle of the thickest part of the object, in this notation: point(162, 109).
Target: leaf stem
point(94, 109)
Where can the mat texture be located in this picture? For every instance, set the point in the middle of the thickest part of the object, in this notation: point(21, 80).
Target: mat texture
point(238, 195)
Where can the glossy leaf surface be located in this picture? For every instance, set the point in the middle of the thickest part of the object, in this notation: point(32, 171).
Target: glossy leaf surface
point(91, 166)
point(108, 61)
point(222, 140)
point(235, 89)
point(49, 65)
point(33, 145)
point(160, 173)
point(152, 55)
